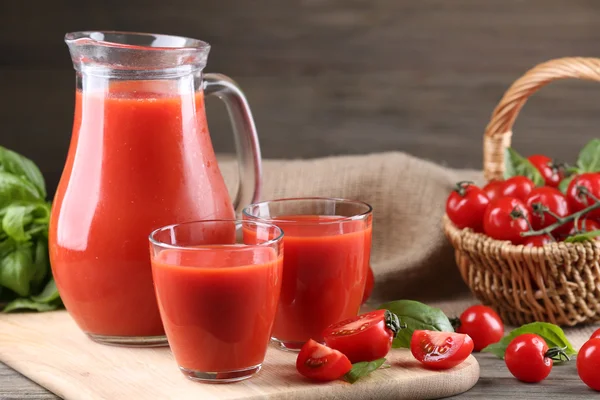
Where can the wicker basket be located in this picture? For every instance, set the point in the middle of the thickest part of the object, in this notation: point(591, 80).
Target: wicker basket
point(558, 283)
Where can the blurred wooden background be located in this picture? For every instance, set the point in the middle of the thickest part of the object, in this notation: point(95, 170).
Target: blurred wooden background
point(325, 76)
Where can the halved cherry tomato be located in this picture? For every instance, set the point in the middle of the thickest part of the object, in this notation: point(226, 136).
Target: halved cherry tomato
point(588, 363)
point(440, 350)
point(505, 219)
point(596, 334)
point(369, 285)
point(517, 186)
point(493, 189)
point(366, 337)
point(551, 173)
point(320, 363)
point(482, 324)
point(465, 206)
point(578, 201)
point(545, 203)
point(528, 359)
point(537, 241)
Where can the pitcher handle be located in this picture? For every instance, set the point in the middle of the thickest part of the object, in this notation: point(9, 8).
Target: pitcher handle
point(244, 133)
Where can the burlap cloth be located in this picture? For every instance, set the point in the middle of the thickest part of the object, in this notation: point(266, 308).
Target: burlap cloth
point(411, 257)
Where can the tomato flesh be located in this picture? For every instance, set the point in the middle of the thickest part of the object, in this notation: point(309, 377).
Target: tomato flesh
point(482, 324)
point(526, 359)
point(318, 362)
point(440, 350)
point(362, 338)
point(588, 363)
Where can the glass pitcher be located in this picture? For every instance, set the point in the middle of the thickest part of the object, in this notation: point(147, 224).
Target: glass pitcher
point(140, 158)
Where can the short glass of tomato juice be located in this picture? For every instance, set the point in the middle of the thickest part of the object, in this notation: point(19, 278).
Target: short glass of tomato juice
point(327, 250)
point(217, 294)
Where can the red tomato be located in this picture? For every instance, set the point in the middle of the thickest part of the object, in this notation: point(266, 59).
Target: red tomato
point(440, 350)
point(366, 337)
point(369, 285)
point(578, 201)
point(537, 241)
point(596, 334)
point(544, 203)
point(321, 363)
point(482, 324)
point(550, 172)
point(517, 186)
point(465, 206)
point(584, 225)
point(527, 358)
point(588, 363)
point(493, 189)
point(505, 219)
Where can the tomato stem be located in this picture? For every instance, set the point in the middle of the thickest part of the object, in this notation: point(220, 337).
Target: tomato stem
point(455, 322)
point(461, 187)
point(557, 354)
point(392, 322)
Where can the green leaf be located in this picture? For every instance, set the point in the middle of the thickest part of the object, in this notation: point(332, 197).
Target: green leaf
point(49, 294)
point(589, 157)
point(16, 270)
point(40, 262)
point(583, 237)
point(515, 164)
point(552, 334)
point(14, 188)
point(14, 221)
point(29, 304)
point(416, 316)
point(362, 369)
point(564, 184)
point(23, 167)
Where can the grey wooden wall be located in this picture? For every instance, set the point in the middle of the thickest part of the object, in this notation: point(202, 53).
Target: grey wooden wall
point(325, 76)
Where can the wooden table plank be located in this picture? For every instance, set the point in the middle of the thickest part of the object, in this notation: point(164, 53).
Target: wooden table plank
point(495, 383)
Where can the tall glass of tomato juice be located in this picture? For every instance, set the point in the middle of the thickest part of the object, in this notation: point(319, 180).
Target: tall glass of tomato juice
point(327, 251)
point(218, 295)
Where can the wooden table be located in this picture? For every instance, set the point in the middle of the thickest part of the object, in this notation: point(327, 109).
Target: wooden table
point(495, 383)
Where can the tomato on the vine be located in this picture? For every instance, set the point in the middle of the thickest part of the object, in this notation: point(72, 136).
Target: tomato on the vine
point(366, 337)
point(577, 200)
point(588, 363)
point(493, 189)
point(482, 324)
point(584, 225)
point(517, 186)
point(369, 285)
point(440, 350)
point(547, 203)
point(551, 172)
point(465, 206)
point(319, 362)
point(506, 218)
point(537, 241)
point(529, 359)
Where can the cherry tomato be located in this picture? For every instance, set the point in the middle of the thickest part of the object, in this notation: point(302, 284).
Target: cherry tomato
point(369, 285)
point(465, 206)
point(517, 186)
point(440, 350)
point(588, 363)
point(537, 241)
point(493, 189)
point(482, 324)
point(505, 219)
point(527, 358)
point(320, 363)
point(584, 225)
point(578, 201)
point(550, 172)
point(366, 337)
point(596, 334)
point(544, 202)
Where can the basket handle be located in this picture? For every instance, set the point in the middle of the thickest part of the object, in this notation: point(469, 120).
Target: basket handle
point(498, 132)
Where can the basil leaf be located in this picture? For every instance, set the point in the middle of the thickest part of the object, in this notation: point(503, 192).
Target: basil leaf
point(589, 157)
point(362, 369)
point(564, 184)
point(583, 237)
point(49, 294)
point(552, 334)
point(16, 270)
point(28, 304)
point(416, 316)
point(41, 263)
point(23, 167)
point(14, 188)
point(515, 164)
point(14, 221)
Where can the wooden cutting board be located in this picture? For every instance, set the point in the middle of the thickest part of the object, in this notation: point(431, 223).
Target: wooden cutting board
point(50, 349)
